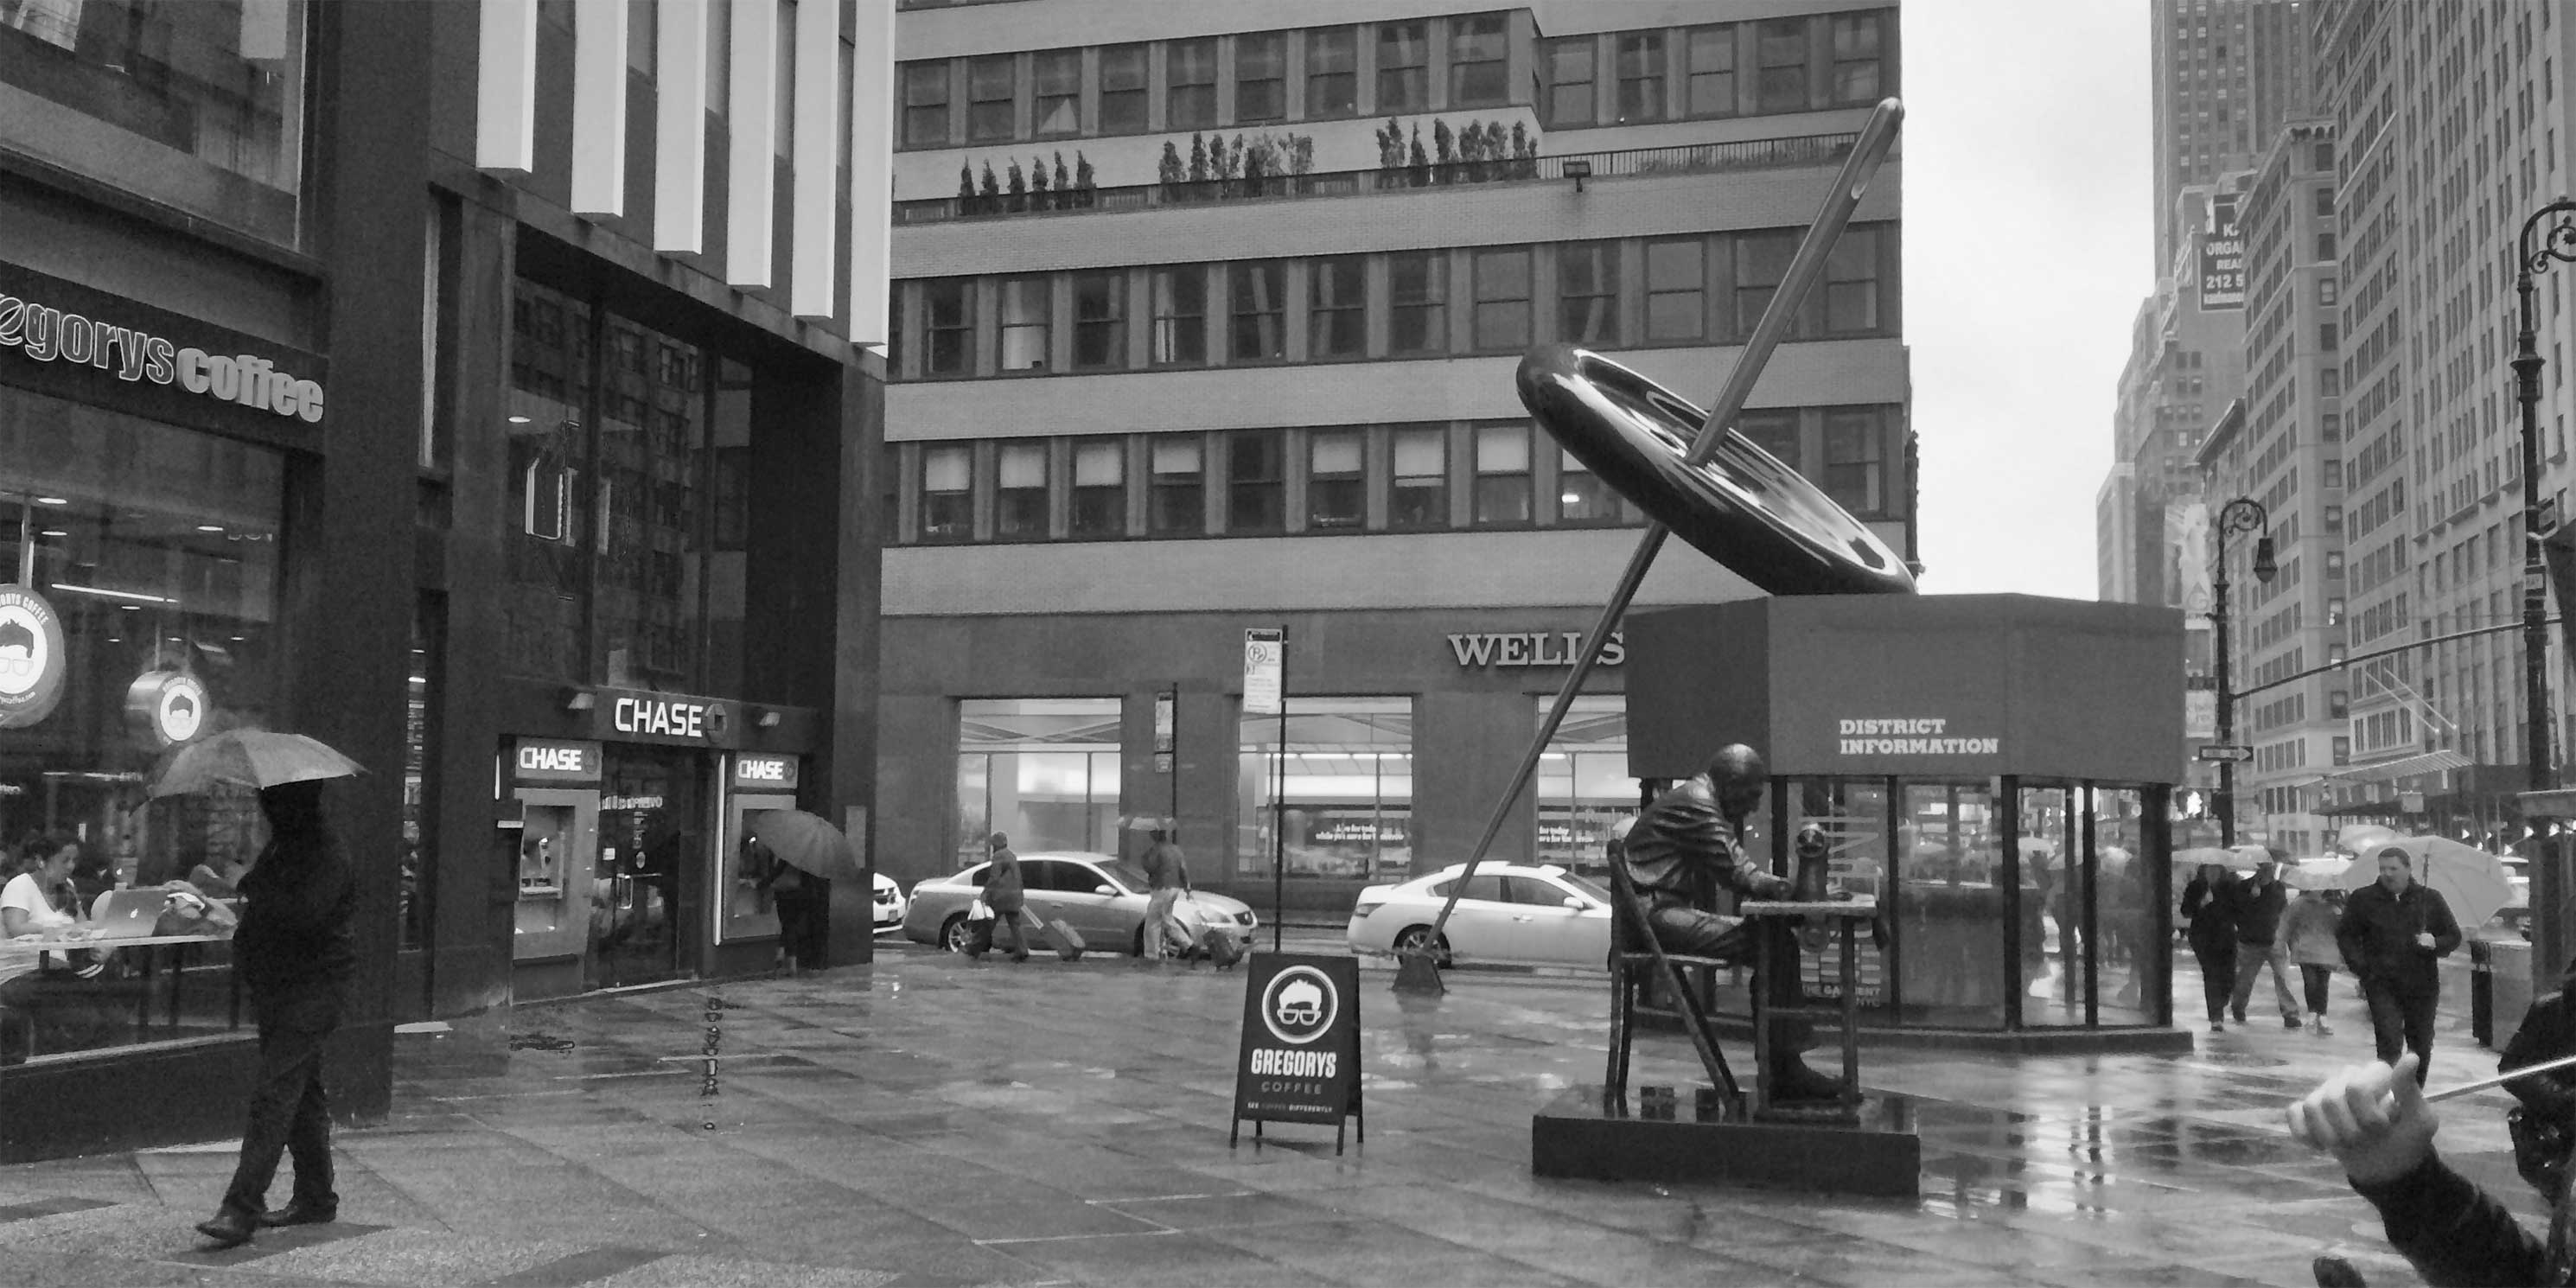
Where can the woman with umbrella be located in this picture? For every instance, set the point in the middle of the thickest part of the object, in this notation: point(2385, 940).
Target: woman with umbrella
point(806, 855)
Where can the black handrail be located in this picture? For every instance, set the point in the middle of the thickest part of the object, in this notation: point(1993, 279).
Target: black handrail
point(1690, 158)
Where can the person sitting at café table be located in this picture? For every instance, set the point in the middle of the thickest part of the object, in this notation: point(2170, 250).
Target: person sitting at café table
point(58, 988)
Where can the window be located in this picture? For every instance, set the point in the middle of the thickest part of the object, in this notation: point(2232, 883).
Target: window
point(1711, 52)
point(1855, 460)
point(2324, 197)
point(2327, 336)
point(1761, 260)
point(1677, 289)
point(1420, 495)
point(1176, 502)
point(1099, 321)
point(1856, 38)
point(2325, 245)
point(1587, 293)
point(1851, 284)
point(1569, 81)
point(1502, 473)
point(1258, 305)
point(2326, 291)
point(1336, 307)
point(925, 104)
point(1581, 496)
point(990, 89)
point(1057, 74)
point(1503, 298)
point(1641, 76)
point(1781, 46)
point(1020, 501)
point(1044, 770)
point(1336, 488)
point(1180, 316)
point(1099, 488)
point(2334, 518)
point(1189, 97)
point(1403, 66)
point(947, 492)
point(1027, 311)
point(1122, 89)
point(1775, 432)
point(1418, 282)
point(1256, 480)
point(949, 303)
point(1260, 78)
point(1349, 789)
point(1332, 73)
point(1476, 65)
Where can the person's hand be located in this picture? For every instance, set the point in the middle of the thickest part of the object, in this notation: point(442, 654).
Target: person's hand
point(2424, 939)
point(2372, 1118)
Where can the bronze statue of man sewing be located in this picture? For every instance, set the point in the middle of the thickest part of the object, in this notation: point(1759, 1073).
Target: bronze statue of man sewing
point(1691, 842)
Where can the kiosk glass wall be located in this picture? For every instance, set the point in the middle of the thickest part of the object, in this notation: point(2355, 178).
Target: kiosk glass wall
point(1949, 909)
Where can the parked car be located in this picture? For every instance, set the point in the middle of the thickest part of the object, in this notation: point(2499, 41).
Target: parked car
point(890, 903)
point(1509, 914)
point(1101, 897)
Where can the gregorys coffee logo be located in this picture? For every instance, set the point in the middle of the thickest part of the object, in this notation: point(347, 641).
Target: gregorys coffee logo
point(167, 707)
point(1299, 1005)
point(51, 335)
point(31, 657)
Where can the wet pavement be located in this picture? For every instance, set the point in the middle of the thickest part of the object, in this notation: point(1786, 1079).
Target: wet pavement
point(929, 1121)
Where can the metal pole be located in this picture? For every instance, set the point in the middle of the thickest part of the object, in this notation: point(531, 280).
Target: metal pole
point(1279, 810)
point(1418, 970)
point(2226, 802)
point(2550, 881)
point(27, 540)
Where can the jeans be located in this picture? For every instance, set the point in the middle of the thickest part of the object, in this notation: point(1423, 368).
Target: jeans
point(2316, 978)
point(289, 1111)
point(2217, 977)
point(2250, 960)
point(985, 931)
point(1159, 924)
point(2401, 1022)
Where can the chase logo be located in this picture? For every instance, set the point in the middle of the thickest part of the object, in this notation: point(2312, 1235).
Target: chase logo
point(1300, 1004)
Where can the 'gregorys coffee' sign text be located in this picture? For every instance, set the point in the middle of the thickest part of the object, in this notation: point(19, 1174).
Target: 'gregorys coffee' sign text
point(47, 334)
point(1910, 737)
point(1532, 648)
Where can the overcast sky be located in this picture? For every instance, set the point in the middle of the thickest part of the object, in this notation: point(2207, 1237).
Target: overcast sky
point(2028, 227)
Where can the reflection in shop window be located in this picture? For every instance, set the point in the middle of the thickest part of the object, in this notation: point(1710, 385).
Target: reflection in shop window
point(1348, 808)
point(653, 466)
point(1583, 782)
point(1043, 770)
point(1950, 913)
point(548, 591)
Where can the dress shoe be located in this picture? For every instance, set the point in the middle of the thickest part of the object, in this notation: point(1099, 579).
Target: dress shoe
point(230, 1228)
point(299, 1214)
point(1793, 1080)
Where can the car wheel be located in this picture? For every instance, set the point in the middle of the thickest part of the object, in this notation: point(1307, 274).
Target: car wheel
point(1417, 939)
point(953, 934)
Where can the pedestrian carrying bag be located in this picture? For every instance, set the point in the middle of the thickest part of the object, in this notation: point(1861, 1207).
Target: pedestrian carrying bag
point(1062, 937)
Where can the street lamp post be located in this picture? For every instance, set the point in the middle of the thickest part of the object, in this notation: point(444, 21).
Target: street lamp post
point(2549, 883)
point(2244, 514)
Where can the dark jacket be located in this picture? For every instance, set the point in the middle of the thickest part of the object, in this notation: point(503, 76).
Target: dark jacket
point(2456, 1236)
point(2212, 914)
point(296, 905)
point(2258, 911)
point(2378, 932)
point(1684, 835)
point(2548, 1032)
point(1002, 887)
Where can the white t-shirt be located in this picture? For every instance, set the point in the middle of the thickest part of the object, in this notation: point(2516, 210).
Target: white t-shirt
point(23, 893)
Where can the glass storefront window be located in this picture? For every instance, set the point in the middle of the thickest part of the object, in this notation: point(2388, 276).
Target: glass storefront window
point(1949, 908)
point(1583, 783)
point(549, 456)
point(1348, 807)
point(2051, 969)
point(2127, 963)
point(156, 550)
point(1853, 813)
point(197, 105)
point(1043, 770)
point(652, 470)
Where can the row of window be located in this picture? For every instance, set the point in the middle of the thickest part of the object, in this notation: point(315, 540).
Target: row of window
point(1697, 288)
point(1331, 479)
point(1459, 62)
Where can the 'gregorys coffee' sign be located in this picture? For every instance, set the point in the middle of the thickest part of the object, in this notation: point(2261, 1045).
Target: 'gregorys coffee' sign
point(48, 334)
point(1299, 1060)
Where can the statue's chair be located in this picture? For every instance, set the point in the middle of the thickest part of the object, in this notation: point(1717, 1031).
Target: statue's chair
point(1636, 961)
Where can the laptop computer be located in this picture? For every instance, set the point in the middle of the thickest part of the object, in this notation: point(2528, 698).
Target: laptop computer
point(127, 914)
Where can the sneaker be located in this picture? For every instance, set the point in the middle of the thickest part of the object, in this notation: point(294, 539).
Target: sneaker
point(2289, 1021)
point(2240, 1017)
point(2216, 1027)
point(2323, 1029)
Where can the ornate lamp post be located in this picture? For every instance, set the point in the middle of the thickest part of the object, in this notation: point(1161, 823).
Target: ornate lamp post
point(2549, 882)
point(2244, 514)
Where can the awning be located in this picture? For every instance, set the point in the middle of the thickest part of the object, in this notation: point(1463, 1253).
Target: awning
point(2431, 762)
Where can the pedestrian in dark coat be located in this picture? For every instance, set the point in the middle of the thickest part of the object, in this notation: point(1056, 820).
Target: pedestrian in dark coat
point(2259, 905)
point(2394, 933)
point(293, 953)
point(1007, 896)
point(2209, 904)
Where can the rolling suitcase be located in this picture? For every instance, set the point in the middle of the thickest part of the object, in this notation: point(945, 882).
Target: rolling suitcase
point(1063, 938)
point(1221, 947)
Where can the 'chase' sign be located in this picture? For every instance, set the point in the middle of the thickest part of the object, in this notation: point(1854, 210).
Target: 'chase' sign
point(753, 773)
point(554, 760)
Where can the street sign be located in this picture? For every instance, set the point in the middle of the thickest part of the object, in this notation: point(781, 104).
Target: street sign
point(2227, 751)
point(1300, 1055)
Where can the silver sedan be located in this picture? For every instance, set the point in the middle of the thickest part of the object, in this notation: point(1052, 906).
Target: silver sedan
point(1102, 898)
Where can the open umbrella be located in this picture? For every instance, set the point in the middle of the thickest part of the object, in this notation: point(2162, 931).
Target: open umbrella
point(1149, 823)
point(2357, 838)
point(252, 758)
point(2316, 874)
point(2187, 862)
point(806, 843)
point(2474, 882)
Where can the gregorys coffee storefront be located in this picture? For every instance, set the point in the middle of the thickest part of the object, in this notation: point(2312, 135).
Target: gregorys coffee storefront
point(1401, 731)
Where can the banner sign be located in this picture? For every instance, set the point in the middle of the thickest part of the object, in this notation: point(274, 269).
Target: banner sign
point(1300, 1054)
point(1265, 663)
point(32, 662)
point(2222, 258)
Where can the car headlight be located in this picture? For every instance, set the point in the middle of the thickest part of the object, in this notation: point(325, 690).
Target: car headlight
point(1244, 917)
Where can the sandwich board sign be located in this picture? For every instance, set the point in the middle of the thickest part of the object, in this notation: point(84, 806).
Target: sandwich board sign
point(1299, 1060)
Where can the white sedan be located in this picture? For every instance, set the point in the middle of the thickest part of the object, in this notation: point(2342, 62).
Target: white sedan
point(889, 903)
point(1508, 914)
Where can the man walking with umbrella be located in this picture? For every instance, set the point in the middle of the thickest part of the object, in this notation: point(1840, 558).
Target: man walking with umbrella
point(293, 953)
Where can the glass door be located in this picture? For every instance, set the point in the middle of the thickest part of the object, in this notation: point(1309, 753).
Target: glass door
point(652, 840)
